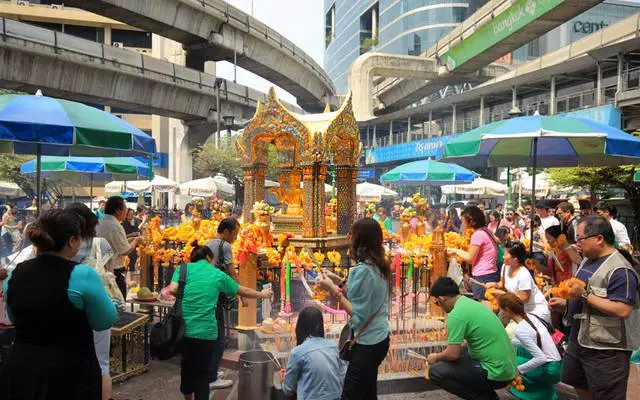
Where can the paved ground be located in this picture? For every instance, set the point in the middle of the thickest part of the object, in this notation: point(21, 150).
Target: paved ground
point(163, 382)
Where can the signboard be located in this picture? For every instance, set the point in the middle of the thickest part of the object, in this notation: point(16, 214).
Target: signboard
point(418, 149)
point(366, 173)
point(520, 14)
point(160, 160)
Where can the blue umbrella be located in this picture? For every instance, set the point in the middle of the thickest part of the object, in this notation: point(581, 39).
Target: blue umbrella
point(543, 141)
point(428, 172)
point(45, 125)
point(95, 167)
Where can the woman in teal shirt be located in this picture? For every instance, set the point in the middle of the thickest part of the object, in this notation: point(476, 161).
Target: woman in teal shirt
point(204, 283)
point(368, 292)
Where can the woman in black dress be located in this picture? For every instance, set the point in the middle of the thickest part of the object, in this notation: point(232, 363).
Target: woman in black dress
point(54, 304)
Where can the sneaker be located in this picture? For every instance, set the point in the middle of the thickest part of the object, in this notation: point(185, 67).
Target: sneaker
point(221, 384)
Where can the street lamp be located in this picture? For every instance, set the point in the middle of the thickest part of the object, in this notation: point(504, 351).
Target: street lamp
point(228, 123)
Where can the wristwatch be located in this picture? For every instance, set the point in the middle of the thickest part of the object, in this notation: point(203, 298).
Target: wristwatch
point(584, 295)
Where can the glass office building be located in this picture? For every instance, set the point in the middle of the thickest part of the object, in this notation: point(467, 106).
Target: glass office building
point(353, 27)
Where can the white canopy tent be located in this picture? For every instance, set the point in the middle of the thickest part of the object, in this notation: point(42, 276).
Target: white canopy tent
point(205, 187)
point(371, 192)
point(10, 189)
point(223, 185)
point(479, 187)
point(158, 184)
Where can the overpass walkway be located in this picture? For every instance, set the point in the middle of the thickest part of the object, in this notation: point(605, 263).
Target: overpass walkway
point(212, 30)
point(77, 69)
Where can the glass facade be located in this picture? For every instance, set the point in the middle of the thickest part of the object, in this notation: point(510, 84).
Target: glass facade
point(354, 27)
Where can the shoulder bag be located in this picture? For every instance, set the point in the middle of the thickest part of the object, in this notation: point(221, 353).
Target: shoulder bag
point(347, 340)
point(166, 335)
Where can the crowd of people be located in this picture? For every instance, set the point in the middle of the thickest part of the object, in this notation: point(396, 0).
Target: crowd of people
point(63, 280)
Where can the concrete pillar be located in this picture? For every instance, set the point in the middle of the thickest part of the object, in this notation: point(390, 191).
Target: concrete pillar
point(481, 117)
point(374, 24)
point(514, 97)
point(423, 130)
point(430, 124)
point(620, 81)
point(409, 129)
point(107, 35)
point(375, 144)
point(599, 95)
point(552, 97)
point(391, 132)
point(454, 118)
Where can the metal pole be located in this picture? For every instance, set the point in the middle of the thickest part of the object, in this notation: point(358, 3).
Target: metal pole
point(599, 85)
point(481, 117)
point(454, 118)
point(533, 190)
point(552, 97)
point(91, 193)
point(38, 173)
point(217, 138)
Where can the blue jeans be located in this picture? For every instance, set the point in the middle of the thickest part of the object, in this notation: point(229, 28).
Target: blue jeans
point(478, 291)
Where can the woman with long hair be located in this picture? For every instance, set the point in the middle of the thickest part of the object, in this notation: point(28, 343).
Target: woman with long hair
point(54, 303)
point(204, 283)
point(517, 279)
point(314, 369)
point(188, 212)
point(494, 221)
point(365, 297)
point(482, 253)
point(559, 263)
point(537, 356)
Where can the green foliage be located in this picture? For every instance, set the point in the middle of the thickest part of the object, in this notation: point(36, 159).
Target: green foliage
point(10, 172)
point(367, 44)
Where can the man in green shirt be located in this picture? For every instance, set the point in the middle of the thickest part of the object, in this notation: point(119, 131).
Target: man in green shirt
point(486, 363)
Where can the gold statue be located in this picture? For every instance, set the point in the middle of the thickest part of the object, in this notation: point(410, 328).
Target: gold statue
point(291, 196)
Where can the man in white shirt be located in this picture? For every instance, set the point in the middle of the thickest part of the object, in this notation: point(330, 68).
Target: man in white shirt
point(547, 220)
point(610, 212)
point(110, 228)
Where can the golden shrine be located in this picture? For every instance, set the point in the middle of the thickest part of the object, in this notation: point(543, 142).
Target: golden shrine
point(307, 144)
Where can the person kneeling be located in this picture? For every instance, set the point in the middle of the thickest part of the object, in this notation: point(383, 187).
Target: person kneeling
point(315, 370)
point(487, 363)
point(537, 357)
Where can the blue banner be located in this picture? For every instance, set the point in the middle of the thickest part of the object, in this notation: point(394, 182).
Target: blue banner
point(418, 149)
point(366, 173)
point(608, 114)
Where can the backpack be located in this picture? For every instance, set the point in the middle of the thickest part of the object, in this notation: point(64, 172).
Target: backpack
point(166, 336)
point(224, 301)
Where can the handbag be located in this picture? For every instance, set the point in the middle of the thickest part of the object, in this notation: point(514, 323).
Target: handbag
point(347, 340)
point(166, 336)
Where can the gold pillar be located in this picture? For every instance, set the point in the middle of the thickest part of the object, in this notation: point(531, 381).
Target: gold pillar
point(247, 316)
point(353, 202)
point(439, 265)
point(308, 230)
point(320, 201)
point(259, 182)
point(343, 199)
point(249, 193)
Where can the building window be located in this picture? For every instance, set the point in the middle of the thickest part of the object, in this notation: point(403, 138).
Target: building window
point(47, 25)
point(85, 32)
point(417, 46)
point(369, 29)
point(330, 26)
point(533, 48)
point(138, 39)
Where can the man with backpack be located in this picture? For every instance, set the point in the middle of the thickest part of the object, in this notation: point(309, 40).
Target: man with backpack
point(223, 258)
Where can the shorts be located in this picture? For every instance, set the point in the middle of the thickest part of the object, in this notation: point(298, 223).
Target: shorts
point(102, 343)
point(602, 372)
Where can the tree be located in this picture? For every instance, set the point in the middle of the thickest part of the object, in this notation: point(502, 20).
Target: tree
point(10, 172)
point(599, 180)
point(209, 160)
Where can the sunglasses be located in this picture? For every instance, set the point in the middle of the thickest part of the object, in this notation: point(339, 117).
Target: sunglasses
point(580, 239)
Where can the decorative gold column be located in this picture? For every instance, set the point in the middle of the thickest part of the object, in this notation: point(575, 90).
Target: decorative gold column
point(247, 277)
point(259, 182)
point(320, 200)
point(343, 199)
point(307, 223)
point(249, 193)
point(353, 201)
